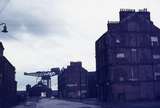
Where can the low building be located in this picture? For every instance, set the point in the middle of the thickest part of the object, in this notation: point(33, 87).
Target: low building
point(72, 81)
point(128, 58)
point(91, 85)
point(55, 93)
point(8, 85)
point(38, 90)
point(21, 96)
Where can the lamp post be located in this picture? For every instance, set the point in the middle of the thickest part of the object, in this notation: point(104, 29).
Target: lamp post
point(4, 30)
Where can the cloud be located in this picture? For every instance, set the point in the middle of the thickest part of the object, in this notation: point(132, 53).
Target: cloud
point(36, 19)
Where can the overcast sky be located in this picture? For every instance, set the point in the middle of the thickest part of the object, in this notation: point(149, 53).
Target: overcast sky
point(50, 33)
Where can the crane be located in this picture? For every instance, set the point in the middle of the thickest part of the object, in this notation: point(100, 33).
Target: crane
point(45, 75)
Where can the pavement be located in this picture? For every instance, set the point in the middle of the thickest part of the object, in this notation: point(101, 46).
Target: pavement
point(30, 103)
point(145, 104)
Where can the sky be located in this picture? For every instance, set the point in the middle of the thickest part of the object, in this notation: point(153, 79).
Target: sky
point(50, 33)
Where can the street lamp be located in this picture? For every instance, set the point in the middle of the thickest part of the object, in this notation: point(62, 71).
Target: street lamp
point(4, 30)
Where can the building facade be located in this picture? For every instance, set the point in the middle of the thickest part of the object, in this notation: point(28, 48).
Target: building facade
point(72, 81)
point(91, 85)
point(128, 58)
point(8, 85)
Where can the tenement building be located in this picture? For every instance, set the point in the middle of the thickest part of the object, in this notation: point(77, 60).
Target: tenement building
point(91, 85)
point(72, 81)
point(128, 58)
point(8, 85)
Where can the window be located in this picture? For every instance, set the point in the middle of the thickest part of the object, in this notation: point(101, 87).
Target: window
point(132, 75)
point(154, 40)
point(157, 76)
point(71, 85)
point(133, 49)
point(120, 55)
point(117, 41)
point(121, 78)
point(156, 56)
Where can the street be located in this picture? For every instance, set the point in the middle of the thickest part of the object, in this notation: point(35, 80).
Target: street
point(54, 103)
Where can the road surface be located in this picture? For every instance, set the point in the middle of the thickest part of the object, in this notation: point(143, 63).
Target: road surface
point(54, 103)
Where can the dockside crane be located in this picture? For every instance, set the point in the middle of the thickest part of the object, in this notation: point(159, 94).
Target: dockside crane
point(44, 75)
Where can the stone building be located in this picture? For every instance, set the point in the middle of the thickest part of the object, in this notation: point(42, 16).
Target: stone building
point(128, 58)
point(72, 81)
point(8, 85)
point(91, 85)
